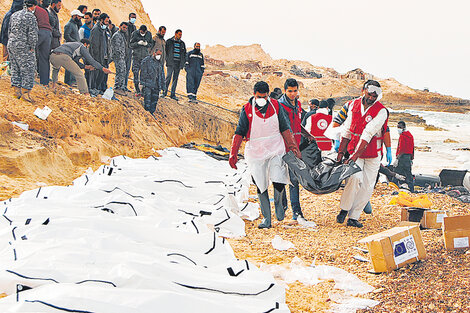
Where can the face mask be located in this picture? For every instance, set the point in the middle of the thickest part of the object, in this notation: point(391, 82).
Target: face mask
point(143, 35)
point(132, 20)
point(158, 56)
point(261, 102)
point(104, 26)
point(400, 130)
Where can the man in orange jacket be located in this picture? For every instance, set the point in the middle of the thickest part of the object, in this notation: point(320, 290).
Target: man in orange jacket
point(265, 126)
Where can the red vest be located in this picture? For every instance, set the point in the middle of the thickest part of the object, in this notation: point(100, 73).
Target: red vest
point(406, 144)
point(269, 112)
point(358, 124)
point(295, 120)
point(320, 123)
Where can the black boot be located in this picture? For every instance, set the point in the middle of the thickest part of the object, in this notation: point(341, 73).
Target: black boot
point(341, 216)
point(354, 223)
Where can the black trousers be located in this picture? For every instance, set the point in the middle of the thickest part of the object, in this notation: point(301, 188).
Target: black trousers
point(172, 72)
point(404, 168)
point(43, 52)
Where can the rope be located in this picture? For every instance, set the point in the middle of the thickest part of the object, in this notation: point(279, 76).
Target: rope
point(211, 104)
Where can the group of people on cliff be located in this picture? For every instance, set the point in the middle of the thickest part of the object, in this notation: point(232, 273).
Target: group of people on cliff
point(273, 124)
point(34, 42)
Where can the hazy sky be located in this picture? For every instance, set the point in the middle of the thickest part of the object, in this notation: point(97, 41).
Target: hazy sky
point(419, 43)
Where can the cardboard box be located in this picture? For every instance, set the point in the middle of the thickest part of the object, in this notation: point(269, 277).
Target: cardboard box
point(456, 231)
point(426, 217)
point(395, 247)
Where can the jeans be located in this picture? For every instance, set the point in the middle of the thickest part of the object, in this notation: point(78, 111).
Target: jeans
point(150, 98)
point(172, 72)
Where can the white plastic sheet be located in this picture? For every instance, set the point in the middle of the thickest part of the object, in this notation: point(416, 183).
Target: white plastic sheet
point(135, 236)
point(281, 244)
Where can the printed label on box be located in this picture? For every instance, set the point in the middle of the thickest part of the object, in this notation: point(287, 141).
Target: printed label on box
point(440, 217)
point(461, 242)
point(404, 249)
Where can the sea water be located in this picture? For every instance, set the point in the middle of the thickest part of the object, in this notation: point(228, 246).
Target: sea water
point(444, 144)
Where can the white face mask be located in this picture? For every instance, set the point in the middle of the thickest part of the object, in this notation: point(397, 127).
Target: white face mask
point(158, 56)
point(400, 130)
point(261, 102)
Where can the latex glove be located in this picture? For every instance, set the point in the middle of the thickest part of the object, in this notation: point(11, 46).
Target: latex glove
point(389, 155)
point(395, 164)
point(400, 177)
point(141, 42)
point(236, 143)
point(337, 142)
point(145, 43)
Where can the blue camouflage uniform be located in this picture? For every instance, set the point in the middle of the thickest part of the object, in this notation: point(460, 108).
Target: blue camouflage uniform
point(22, 41)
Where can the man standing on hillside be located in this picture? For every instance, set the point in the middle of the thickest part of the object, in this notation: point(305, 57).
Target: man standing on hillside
point(71, 35)
point(265, 125)
point(194, 71)
point(85, 30)
point(151, 80)
point(22, 41)
point(141, 44)
point(54, 9)
point(289, 101)
point(43, 48)
point(131, 28)
point(119, 49)
point(159, 43)
point(175, 60)
point(405, 154)
point(362, 137)
point(99, 50)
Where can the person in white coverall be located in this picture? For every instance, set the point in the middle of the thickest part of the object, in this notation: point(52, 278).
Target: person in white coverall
point(265, 125)
point(362, 137)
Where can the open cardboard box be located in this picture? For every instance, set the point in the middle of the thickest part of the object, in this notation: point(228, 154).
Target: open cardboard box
point(456, 231)
point(426, 217)
point(395, 248)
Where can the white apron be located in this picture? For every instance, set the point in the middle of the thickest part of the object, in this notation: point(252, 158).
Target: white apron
point(264, 151)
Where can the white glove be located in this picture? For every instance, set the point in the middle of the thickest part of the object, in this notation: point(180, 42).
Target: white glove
point(145, 43)
point(142, 43)
point(400, 177)
point(395, 164)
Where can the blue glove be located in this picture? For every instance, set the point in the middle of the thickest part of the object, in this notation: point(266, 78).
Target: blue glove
point(337, 145)
point(389, 155)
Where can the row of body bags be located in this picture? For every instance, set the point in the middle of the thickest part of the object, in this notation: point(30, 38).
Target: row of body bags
point(138, 235)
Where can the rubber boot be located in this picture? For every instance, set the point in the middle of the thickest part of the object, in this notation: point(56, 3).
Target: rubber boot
point(17, 92)
point(279, 201)
point(26, 95)
point(265, 209)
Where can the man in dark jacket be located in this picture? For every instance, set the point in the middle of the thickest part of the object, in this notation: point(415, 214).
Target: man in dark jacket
point(55, 7)
point(175, 60)
point(99, 50)
point(43, 48)
point(71, 34)
point(68, 56)
point(151, 80)
point(194, 71)
point(130, 30)
point(141, 43)
point(15, 7)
